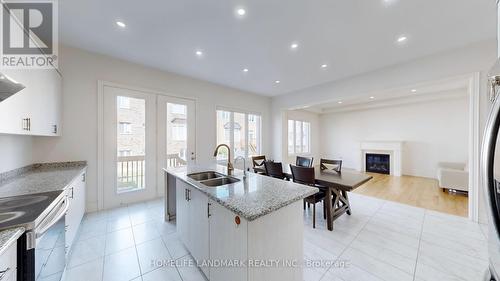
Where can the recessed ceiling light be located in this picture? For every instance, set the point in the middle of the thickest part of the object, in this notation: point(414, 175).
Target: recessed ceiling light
point(324, 65)
point(241, 12)
point(372, 97)
point(245, 69)
point(402, 39)
point(277, 81)
point(413, 90)
point(121, 24)
point(294, 46)
point(199, 53)
point(388, 2)
point(339, 102)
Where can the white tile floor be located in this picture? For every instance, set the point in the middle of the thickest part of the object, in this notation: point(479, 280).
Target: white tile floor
point(380, 241)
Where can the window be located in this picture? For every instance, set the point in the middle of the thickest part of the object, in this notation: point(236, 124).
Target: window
point(299, 137)
point(178, 108)
point(241, 131)
point(179, 132)
point(124, 152)
point(123, 102)
point(125, 128)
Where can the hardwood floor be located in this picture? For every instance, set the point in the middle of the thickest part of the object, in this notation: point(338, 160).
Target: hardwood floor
point(415, 191)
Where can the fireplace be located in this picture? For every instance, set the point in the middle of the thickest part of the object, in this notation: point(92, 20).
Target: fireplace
point(378, 163)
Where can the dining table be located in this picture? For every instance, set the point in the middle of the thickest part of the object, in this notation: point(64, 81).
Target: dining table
point(336, 186)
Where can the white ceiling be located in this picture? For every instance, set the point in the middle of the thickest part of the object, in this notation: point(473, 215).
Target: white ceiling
point(424, 92)
point(351, 36)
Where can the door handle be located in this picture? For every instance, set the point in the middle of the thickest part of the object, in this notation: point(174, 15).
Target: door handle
point(3, 273)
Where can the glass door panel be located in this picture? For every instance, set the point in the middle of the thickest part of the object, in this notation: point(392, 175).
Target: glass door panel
point(176, 140)
point(130, 144)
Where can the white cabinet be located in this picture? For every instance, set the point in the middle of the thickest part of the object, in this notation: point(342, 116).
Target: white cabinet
point(198, 211)
point(228, 242)
point(76, 209)
point(192, 221)
point(182, 212)
point(8, 263)
point(35, 110)
point(213, 233)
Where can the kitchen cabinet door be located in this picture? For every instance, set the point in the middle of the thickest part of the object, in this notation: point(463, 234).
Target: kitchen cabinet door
point(199, 232)
point(39, 102)
point(15, 109)
point(182, 215)
point(76, 209)
point(228, 241)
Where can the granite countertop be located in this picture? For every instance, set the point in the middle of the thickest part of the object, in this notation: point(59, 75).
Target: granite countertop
point(251, 198)
point(38, 178)
point(9, 236)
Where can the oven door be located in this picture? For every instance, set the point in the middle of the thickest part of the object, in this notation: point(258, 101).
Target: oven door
point(50, 244)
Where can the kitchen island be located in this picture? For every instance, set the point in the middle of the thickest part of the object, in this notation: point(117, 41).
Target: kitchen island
point(249, 229)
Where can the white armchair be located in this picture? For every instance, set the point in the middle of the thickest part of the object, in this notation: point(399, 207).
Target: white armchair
point(453, 176)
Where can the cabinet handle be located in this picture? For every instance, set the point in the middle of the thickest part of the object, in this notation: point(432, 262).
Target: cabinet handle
point(208, 210)
point(25, 124)
point(29, 124)
point(3, 273)
point(83, 177)
point(72, 190)
point(54, 129)
point(189, 194)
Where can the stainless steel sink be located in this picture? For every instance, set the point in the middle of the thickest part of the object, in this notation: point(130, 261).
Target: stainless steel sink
point(205, 176)
point(220, 181)
point(8, 216)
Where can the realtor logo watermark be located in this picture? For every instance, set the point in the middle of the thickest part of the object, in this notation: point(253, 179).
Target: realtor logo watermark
point(29, 34)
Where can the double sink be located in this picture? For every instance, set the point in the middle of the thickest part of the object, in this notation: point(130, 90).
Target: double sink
point(212, 179)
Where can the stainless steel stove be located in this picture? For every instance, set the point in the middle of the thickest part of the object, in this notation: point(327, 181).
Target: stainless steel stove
point(41, 249)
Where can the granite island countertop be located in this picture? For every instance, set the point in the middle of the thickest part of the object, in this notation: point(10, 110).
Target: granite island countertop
point(9, 236)
point(38, 178)
point(251, 198)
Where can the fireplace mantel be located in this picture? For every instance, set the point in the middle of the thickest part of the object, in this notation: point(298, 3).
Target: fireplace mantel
point(392, 148)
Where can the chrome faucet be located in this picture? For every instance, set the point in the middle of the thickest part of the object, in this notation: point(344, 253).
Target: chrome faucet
point(244, 165)
point(229, 164)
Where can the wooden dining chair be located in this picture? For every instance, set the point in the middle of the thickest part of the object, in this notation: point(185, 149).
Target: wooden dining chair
point(258, 164)
point(305, 175)
point(334, 165)
point(304, 161)
point(274, 169)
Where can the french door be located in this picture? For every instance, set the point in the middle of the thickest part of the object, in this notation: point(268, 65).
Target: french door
point(143, 133)
point(176, 134)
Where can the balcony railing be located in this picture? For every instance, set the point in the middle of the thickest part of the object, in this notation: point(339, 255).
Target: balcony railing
point(131, 170)
point(174, 160)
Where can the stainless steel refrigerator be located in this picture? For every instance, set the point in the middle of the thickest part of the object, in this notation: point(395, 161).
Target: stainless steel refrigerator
point(490, 167)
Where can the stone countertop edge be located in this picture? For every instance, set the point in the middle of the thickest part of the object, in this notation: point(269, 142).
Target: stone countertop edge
point(181, 173)
point(38, 178)
point(8, 237)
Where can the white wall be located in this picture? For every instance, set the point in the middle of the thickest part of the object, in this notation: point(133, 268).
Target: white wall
point(81, 71)
point(310, 117)
point(433, 131)
point(15, 151)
